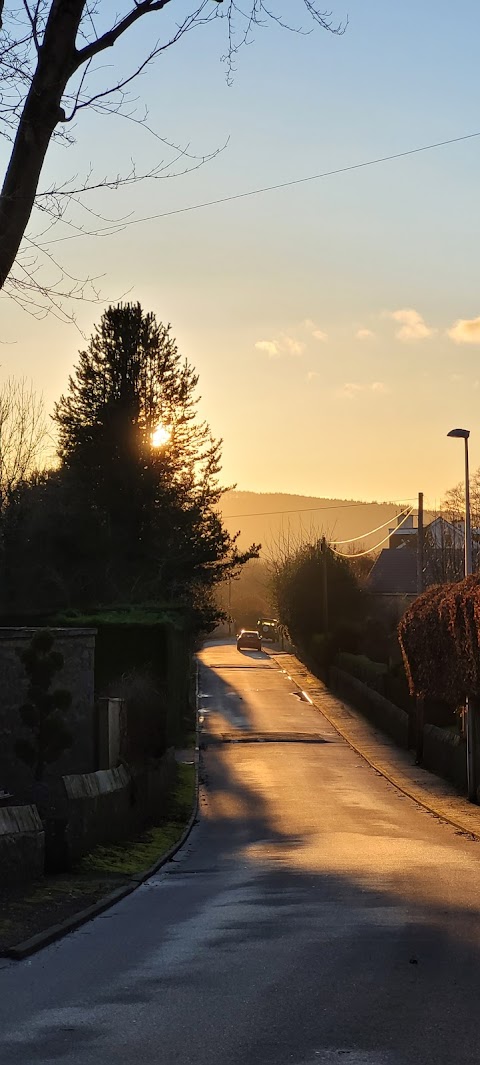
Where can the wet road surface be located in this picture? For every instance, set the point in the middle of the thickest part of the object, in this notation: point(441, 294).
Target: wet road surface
point(315, 915)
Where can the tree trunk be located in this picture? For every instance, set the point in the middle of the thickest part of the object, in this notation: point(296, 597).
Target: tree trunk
point(57, 60)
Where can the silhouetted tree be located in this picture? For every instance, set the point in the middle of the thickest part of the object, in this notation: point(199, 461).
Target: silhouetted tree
point(311, 578)
point(159, 529)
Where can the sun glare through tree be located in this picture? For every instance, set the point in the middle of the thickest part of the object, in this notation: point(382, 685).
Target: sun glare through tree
point(161, 435)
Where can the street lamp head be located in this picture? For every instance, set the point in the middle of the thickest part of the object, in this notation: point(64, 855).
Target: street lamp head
point(462, 433)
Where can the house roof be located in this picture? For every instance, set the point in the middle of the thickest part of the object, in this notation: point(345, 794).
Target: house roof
point(394, 572)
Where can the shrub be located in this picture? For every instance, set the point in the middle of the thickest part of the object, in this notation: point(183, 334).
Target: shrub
point(145, 700)
point(396, 687)
point(375, 642)
point(321, 651)
point(43, 712)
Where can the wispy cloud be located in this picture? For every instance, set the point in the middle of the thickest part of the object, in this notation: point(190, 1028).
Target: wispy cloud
point(292, 346)
point(465, 331)
point(270, 347)
point(283, 345)
point(352, 389)
point(413, 326)
point(314, 330)
point(364, 334)
point(313, 375)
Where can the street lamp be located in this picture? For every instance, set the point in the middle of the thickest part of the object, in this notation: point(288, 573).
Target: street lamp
point(463, 434)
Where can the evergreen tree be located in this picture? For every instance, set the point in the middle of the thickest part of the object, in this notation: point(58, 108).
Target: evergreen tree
point(159, 531)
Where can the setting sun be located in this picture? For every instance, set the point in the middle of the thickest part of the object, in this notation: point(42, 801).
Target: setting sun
point(160, 436)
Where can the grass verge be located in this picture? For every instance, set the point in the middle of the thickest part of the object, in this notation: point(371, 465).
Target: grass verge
point(136, 856)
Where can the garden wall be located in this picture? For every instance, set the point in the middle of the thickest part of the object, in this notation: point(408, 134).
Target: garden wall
point(22, 845)
point(382, 713)
point(112, 804)
point(444, 752)
point(77, 647)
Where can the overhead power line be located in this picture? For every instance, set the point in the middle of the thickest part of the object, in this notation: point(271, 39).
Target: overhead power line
point(362, 536)
point(313, 510)
point(361, 554)
point(118, 227)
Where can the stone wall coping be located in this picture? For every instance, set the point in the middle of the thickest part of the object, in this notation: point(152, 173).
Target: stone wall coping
point(88, 785)
point(22, 632)
point(443, 735)
point(15, 820)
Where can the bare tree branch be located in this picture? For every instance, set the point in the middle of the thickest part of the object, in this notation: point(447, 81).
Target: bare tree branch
point(24, 436)
point(47, 53)
point(107, 40)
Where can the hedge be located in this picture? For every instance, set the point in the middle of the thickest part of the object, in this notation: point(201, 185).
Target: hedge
point(439, 637)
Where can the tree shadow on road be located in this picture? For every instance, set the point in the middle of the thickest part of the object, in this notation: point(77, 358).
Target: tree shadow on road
point(261, 945)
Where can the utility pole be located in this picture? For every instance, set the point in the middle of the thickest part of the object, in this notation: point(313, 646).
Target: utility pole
point(324, 549)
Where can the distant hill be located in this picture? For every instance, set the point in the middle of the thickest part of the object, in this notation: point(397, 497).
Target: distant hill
point(273, 518)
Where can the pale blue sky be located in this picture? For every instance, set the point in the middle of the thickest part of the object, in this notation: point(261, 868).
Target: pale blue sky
point(349, 417)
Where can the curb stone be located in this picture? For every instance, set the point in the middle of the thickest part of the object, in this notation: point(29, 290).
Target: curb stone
point(57, 931)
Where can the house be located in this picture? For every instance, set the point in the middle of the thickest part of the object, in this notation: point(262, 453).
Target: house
point(394, 573)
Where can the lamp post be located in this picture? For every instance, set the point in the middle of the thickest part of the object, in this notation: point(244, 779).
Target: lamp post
point(463, 434)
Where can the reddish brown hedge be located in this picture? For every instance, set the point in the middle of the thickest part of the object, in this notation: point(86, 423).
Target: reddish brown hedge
point(439, 636)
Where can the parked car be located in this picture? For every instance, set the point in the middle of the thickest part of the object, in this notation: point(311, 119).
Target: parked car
point(268, 628)
point(249, 638)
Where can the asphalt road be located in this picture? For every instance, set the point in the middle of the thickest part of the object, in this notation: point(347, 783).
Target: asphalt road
point(315, 916)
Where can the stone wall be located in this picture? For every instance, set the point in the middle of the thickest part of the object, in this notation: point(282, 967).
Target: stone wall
point(444, 752)
point(380, 711)
point(99, 809)
point(77, 675)
point(22, 845)
point(112, 804)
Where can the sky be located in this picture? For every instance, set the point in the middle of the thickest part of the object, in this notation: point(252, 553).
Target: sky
point(334, 324)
